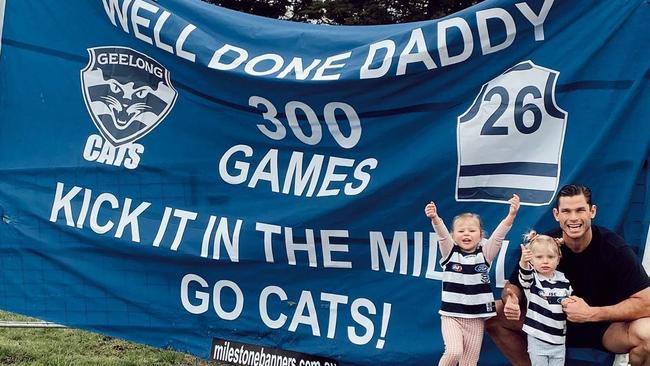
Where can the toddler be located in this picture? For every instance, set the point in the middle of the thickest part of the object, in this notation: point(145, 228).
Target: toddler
point(545, 289)
point(467, 299)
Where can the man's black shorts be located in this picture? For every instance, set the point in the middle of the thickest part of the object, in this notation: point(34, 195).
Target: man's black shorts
point(586, 334)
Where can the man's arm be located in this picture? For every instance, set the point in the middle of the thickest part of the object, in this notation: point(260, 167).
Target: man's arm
point(635, 307)
point(510, 289)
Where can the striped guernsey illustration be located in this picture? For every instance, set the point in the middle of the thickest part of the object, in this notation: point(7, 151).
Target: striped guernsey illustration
point(510, 139)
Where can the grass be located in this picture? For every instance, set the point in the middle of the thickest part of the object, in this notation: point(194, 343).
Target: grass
point(71, 347)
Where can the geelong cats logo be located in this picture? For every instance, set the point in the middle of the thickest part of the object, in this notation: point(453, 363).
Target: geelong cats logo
point(127, 94)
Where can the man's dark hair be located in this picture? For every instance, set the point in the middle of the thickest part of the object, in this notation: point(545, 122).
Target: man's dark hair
point(571, 190)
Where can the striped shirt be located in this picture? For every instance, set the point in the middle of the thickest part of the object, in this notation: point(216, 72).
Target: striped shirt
point(466, 290)
point(545, 319)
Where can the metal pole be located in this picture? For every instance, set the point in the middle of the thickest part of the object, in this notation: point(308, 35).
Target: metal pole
point(17, 324)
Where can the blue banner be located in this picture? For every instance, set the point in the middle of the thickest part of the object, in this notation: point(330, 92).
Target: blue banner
point(187, 176)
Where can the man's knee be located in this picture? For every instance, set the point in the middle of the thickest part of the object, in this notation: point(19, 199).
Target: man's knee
point(495, 324)
point(633, 337)
point(491, 326)
point(639, 332)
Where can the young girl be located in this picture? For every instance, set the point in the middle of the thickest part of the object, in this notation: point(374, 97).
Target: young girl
point(545, 289)
point(467, 298)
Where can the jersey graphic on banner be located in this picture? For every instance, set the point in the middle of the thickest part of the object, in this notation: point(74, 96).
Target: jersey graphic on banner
point(127, 93)
point(515, 111)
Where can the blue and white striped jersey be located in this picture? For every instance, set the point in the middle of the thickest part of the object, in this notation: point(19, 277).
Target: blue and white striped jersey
point(545, 319)
point(466, 290)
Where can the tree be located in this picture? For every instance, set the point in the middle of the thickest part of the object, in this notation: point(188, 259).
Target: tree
point(266, 8)
point(349, 12)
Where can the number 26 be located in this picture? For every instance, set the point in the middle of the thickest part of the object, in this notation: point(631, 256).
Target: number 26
point(520, 108)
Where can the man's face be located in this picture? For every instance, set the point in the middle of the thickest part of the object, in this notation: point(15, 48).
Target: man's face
point(574, 215)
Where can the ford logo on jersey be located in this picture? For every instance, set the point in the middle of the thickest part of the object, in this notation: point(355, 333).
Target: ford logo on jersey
point(481, 268)
point(127, 93)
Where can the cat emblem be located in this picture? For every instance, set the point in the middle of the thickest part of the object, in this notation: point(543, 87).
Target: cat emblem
point(127, 93)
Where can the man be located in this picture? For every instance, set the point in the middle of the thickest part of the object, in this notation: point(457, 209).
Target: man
point(610, 309)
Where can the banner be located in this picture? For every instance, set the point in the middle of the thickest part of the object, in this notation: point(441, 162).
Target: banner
point(252, 190)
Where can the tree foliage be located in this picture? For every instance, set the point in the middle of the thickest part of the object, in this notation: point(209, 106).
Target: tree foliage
point(349, 12)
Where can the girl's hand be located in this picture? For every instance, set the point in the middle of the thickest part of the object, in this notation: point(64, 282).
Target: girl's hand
point(512, 212)
point(431, 211)
point(526, 257)
point(514, 205)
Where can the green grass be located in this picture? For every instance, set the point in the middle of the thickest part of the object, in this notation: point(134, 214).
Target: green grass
point(70, 347)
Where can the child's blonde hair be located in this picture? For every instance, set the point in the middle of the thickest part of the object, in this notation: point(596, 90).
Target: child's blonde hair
point(469, 215)
point(535, 240)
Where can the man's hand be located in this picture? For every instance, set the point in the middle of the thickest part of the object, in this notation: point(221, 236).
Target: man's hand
point(511, 309)
point(577, 310)
point(431, 211)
